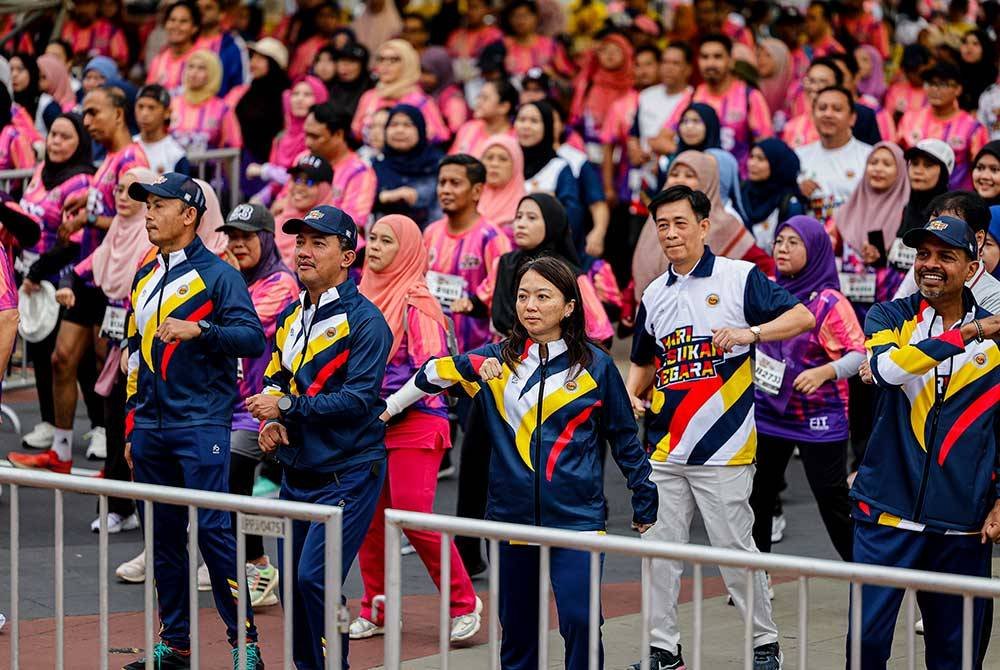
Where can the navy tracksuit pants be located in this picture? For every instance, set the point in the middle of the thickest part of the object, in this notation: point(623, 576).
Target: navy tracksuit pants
point(356, 491)
point(194, 458)
point(570, 576)
point(942, 614)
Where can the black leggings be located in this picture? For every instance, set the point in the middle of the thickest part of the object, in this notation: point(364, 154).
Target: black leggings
point(115, 466)
point(826, 469)
point(242, 470)
point(40, 354)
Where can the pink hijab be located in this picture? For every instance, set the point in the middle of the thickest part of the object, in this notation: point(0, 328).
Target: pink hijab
point(58, 80)
point(208, 230)
point(116, 259)
point(776, 87)
point(499, 204)
point(868, 210)
point(292, 142)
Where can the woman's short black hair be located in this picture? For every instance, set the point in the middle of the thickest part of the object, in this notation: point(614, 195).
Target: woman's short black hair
point(700, 204)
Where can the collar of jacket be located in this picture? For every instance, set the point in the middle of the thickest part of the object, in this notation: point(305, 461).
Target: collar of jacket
point(174, 257)
point(344, 291)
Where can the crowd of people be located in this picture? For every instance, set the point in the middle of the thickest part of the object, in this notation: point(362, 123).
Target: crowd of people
point(448, 214)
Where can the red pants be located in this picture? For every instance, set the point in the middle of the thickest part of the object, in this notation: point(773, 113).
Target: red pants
point(410, 483)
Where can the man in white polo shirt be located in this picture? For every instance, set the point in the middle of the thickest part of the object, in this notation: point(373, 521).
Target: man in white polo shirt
point(694, 337)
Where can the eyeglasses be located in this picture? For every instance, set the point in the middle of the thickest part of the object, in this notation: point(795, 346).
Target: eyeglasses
point(388, 59)
point(305, 181)
point(940, 84)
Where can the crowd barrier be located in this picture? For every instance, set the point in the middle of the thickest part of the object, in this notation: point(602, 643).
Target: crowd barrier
point(803, 568)
point(259, 516)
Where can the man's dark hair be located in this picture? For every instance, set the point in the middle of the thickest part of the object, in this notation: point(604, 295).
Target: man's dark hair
point(966, 205)
point(116, 96)
point(915, 56)
point(333, 117)
point(839, 89)
point(699, 202)
point(718, 38)
point(849, 61)
point(684, 48)
point(649, 48)
point(829, 63)
point(474, 169)
point(825, 6)
point(192, 7)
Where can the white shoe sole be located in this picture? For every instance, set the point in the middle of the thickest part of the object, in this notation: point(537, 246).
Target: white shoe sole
point(97, 454)
point(368, 632)
point(269, 596)
point(479, 624)
point(131, 579)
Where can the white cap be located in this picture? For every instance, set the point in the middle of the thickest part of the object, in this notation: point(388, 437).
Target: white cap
point(273, 49)
point(937, 149)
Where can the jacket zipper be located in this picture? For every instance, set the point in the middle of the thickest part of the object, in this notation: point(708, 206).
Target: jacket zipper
point(931, 446)
point(538, 438)
point(302, 358)
point(156, 372)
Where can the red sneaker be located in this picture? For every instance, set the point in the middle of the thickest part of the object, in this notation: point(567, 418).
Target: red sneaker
point(46, 460)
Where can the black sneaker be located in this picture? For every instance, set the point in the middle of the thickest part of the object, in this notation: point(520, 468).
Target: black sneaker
point(660, 659)
point(767, 657)
point(165, 657)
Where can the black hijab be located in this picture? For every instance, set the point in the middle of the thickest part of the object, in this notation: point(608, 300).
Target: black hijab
point(915, 212)
point(348, 93)
point(396, 167)
point(260, 111)
point(270, 260)
point(993, 149)
point(978, 76)
point(713, 129)
point(558, 243)
point(28, 98)
point(81, 162)
point(538, 156)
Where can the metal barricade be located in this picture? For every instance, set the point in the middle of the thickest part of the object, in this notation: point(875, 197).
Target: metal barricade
point(231, 159)
point(547, 538)
point(261, 516)
point(7, 177)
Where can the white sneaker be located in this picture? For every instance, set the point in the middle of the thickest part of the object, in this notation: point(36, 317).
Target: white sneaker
point(262, 583)
point(134, 571)
point(40, 437)
point(116, 523)
point(405, 549)
point(778, 525)
point(361, 628)
point(465, 626)
point(204, 580)
point(97, 449)
point(918, 627)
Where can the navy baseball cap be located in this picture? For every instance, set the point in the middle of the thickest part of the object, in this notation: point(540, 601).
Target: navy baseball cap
point(325, 219)
point(313, 167)
point(953, 232)
point(174, 186)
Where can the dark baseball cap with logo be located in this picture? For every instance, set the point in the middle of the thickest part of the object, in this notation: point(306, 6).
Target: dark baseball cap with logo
point(328, 220)
point(172, 185)
point(313, 167)
point(953, 232)
point(249, 217)
point(156, 92)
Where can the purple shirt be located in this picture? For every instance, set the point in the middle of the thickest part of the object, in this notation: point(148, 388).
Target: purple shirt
point(408, 360)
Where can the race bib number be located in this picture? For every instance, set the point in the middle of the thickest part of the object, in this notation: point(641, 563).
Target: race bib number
point(902, 256)
point(858, 287)
point(768, 373)
point(446, 288)
point(113, 326)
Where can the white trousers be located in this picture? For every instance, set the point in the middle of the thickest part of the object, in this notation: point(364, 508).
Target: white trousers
point(722, 496)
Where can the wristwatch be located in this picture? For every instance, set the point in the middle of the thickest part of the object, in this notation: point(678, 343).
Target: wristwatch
point(756, 334)
point(284, 403)
point(205, 326)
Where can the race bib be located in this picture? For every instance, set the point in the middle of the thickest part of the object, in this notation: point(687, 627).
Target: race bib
point(768, 373)
point(902, 256)
point(446, 288)
point(858, 287)
point(113, 326)
point(595, 152)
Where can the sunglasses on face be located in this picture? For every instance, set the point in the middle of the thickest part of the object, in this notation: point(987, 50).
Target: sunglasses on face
point(305, 181)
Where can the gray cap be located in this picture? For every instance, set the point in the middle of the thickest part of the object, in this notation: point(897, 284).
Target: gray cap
point(251, 217)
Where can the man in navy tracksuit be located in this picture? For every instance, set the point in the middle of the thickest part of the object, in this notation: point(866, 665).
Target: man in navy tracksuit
point(926, 494)
point(191, 319)
point(321, 404)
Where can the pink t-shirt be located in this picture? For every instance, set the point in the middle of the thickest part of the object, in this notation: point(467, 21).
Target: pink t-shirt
point(743, 115)
point(372, 101)
point(101, 200)
point(15, 149)
point(46, 206)
point(543, 52)
point(902, 98)
point(468, 255)
point(167, 70)
point(963, 133)
point(354, 190)
point(101, 38)
point(209, 125)
point(470, 42)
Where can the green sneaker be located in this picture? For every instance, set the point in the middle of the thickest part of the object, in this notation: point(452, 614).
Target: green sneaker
point(165, 657)
point(265, 488)
point(262, 582)
point(254, 661)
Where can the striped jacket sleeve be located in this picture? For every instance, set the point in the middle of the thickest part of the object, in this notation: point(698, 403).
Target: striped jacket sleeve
point(440, 374)
point(893, 359)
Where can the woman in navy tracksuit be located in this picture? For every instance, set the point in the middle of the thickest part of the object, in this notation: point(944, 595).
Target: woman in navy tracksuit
point(545, 465)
